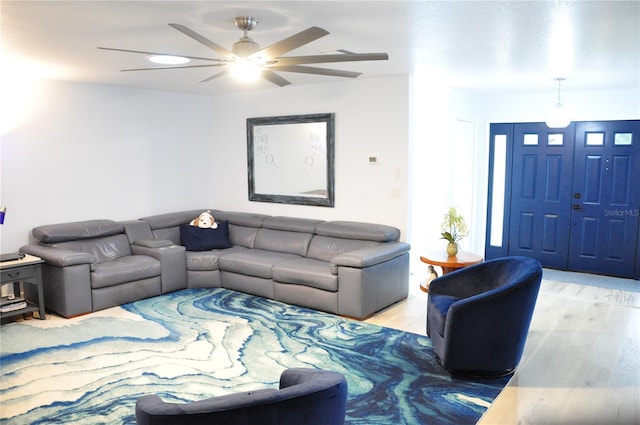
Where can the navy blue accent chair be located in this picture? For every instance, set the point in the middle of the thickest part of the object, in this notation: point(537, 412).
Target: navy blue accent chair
point(305, 397)
point(478, 317)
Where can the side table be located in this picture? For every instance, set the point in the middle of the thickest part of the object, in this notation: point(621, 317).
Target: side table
point(19, 272)
point(449, 263)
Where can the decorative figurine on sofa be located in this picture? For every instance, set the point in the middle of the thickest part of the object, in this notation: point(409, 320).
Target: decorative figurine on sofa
point(205, 221)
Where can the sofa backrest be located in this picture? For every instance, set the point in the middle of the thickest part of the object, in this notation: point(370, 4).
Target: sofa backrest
point(167, 226)
point(317, 239)
point(283, 241)
point(325, 248)
point(104, 239)
point(359, 231)
point(243, 227)
point(104, 249)
point(286, 234)
point(335, 237)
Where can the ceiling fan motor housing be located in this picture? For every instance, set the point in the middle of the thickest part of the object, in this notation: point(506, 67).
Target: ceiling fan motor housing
point(245, 23)
point(245, 47)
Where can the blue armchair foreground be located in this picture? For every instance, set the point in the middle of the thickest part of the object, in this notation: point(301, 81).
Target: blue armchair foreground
point(305, 397)
point(478, 317)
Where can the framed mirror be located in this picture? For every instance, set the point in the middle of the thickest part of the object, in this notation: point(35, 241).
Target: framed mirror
point(290, 159)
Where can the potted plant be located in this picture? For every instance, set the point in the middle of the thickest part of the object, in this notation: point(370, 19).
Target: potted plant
point(454, 228)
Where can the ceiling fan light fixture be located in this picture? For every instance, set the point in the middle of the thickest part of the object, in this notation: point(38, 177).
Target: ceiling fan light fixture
point(168, 59)
point(246, 71)
point(558, 116)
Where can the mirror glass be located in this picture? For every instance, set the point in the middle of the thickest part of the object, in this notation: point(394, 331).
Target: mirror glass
point(290, 159)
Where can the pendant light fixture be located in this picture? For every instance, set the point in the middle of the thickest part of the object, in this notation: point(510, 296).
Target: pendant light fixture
point(558, 115)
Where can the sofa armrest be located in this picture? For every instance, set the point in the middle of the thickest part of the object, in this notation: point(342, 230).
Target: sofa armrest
point(173, 261)
point(60, 257)
point(366, 257)
point(153, 243)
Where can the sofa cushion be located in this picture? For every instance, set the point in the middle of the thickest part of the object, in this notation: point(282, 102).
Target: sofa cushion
point(197, 239)
point(123, 270)
point(168, 233)
point(253, 262)
point(293, 224)
point(241, 218)
point(242, 235)
point(174, 219)
point(356, 230)
point(208, 260)
point(89, 229)
point(167, 226)
point(307, 272)
point(283, 241)
point(104, 249)
point(325, 248)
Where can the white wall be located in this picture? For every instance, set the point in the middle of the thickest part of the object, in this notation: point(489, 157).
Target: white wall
point(448, 169)
point(371, 117)
point(88, 151)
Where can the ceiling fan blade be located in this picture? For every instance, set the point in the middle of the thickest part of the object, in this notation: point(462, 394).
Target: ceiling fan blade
point(203, 40)
point(351, 57)
point(275, 78)
point(318, 71)
point(286, 45)
point(160, 54)
point(173, 67)
point(214, 76)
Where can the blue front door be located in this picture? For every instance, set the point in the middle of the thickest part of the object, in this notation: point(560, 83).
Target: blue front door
point(541, 190)
point(606, 198)
point(573, 198)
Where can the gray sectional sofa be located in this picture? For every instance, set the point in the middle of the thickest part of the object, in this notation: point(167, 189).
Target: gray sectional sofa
point(347, 268)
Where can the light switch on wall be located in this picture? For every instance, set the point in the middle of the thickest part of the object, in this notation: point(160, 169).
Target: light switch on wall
point(374, 160)
point(398, 174)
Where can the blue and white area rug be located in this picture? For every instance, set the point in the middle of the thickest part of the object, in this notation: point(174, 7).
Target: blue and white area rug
point(200, 343)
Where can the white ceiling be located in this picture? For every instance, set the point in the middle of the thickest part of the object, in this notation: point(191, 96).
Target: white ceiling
point(480, 45)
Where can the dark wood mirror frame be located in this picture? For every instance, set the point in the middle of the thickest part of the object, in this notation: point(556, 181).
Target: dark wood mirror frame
point(291, 159)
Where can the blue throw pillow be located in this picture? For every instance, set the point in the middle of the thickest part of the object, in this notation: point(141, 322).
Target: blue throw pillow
point(197, 239)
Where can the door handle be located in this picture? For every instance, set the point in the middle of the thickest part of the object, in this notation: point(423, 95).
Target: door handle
point(577, 207)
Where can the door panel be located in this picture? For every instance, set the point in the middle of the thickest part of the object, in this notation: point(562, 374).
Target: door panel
point(541, 193)
point(604, 220)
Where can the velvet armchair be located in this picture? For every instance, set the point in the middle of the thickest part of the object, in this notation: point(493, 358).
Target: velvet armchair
point(305, 397)
point(478, 317)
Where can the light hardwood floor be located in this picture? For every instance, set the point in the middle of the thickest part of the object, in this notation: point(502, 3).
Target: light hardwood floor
point(581, 363)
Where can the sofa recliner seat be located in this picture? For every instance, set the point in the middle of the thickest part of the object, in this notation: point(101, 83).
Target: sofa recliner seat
point(90, 266)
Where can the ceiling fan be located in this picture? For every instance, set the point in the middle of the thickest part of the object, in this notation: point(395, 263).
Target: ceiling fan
point(246, 59)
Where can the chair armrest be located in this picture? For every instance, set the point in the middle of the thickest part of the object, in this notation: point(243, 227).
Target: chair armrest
point(215, 408)
point(366, 257)
point(60, 257)
point(151, 405)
